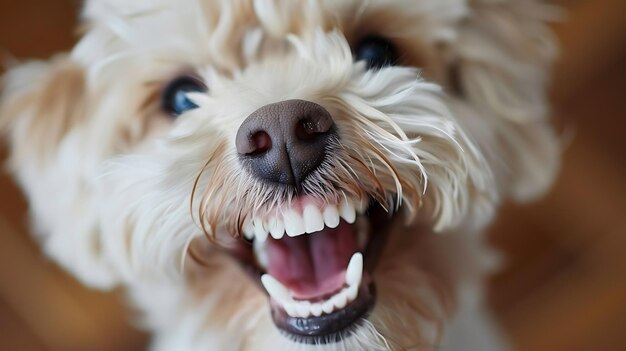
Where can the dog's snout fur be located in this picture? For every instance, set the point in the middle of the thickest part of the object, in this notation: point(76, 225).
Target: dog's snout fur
point(285, 141)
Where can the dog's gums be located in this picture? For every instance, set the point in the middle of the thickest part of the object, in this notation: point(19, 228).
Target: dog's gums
point(311, 262)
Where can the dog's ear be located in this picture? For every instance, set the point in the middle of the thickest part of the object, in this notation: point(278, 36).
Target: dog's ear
point(41, 104)
point(502, 58)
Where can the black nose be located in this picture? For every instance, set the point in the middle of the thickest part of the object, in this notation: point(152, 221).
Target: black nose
point(284, 142)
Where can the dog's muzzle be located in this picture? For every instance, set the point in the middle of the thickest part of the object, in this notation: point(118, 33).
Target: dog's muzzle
point(314, 257)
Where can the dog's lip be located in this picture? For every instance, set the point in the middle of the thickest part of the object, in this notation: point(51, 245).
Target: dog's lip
point(329, 327)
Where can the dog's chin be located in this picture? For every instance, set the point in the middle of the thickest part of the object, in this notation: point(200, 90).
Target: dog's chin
point(317, 266)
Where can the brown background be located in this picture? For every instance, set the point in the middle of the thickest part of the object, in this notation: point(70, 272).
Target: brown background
point(564, 287)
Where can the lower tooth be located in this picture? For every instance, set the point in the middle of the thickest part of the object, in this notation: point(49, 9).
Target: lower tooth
point(328, 307)
point(290, 308)
point(340, 300)
point(275, 288)
point(303, 309)
point(353, 291)
point(316, 309)
point(354, 273)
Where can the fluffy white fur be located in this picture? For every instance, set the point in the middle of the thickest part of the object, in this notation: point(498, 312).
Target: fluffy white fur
point(110, 178)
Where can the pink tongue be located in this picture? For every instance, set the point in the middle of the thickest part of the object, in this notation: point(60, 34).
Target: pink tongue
point(312, 265)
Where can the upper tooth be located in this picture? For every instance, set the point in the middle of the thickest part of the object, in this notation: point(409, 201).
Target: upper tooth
point(313, 221)
point(331, 216)
point(277, 228)
point(294, 224)
point(361, 207)
point(347, 211)
point(259, 230)
point(260, 253)
point(248, 229)
point(275, 288)
point(355, 270)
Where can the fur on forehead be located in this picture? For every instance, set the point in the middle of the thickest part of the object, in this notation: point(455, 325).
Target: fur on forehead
point(221, 32)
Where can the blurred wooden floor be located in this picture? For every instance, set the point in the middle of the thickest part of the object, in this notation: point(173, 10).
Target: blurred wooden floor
point(564, 288)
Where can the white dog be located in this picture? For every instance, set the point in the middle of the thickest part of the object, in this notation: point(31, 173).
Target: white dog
point(288, 174)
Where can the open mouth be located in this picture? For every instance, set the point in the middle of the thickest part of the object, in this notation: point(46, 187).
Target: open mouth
point(315, 261)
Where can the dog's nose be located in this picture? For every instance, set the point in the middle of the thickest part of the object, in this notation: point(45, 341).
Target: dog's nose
point(285, 141)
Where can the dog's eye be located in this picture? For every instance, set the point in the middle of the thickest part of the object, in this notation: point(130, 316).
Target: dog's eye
point(377, 52)
point(175, 100)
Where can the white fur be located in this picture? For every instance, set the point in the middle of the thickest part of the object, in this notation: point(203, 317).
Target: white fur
point(111, 199)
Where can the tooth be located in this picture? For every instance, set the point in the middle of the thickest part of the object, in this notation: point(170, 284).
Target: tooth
point(347, 212)
point(316, 309)
point(328, 307)
point(294, 225)
point(353, 291)
point(340, 300)
point(259, 231)
point(260, 253)
point(275, 288)
point(331, 216)
point(362, 207)
point(304, 309)
point(355, 270)
point(277, 228)
point(313, 221)
point(248, 229)
point(290, 308)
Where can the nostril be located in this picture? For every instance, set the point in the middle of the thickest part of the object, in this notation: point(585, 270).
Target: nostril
point(261, 143)
point(307, 130)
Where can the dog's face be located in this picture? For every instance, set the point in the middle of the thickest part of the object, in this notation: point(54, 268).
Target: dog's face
point(206, 149)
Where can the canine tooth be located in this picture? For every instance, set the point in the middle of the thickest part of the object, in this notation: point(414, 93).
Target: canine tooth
point(331, 216)
point(313, 220)
point(316, 309)
point(259, 231)
point(248, 229)
point(277, 228)
point(361, 207)
point(347, 211)
point(328, 307)
point(340, 300)
point(276, 289)
point(294, 224)
point(353, 291)
point(355, 270)
point(260, 253)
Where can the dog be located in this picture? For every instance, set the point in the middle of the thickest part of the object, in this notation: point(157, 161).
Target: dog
point(288, 175)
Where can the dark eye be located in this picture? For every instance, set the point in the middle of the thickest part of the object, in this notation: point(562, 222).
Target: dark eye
point(377, 52)
point(174, 99)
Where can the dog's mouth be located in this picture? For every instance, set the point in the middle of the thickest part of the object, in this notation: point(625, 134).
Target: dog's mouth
point(316, 261)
